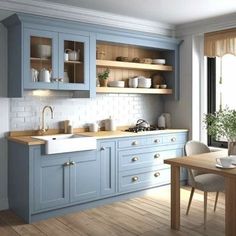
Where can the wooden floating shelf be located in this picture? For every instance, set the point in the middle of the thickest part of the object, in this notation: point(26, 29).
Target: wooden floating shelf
point(40, 59)
point(73, 62)
point(132, 65)
point(133, 90)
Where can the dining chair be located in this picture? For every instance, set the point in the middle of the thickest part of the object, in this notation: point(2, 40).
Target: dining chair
point(200, 180)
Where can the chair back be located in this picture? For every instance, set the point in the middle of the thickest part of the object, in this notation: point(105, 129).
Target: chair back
point(194, 148)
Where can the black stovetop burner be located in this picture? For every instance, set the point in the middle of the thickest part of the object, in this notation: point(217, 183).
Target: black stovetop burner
point(137, 129)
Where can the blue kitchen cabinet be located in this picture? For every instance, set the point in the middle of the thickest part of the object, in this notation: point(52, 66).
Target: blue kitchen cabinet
point(36, 48)
point(107, 155)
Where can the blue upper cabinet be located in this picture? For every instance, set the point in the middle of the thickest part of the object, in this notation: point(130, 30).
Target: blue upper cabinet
point(44, 55)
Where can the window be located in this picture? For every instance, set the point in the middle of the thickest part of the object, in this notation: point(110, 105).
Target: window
point(221, 87)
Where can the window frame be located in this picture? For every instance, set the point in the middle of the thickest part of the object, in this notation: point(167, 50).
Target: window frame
point(211, 98)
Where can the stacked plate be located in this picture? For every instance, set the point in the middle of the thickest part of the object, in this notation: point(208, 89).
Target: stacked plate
point(144, 82)
point(117, 83)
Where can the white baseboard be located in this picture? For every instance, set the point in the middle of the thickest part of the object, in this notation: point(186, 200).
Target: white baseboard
point(4, 204)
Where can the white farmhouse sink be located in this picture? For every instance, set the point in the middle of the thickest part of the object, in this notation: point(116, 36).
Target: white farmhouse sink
point(61, 143)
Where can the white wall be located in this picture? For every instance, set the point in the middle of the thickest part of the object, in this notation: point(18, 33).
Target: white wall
point(25, 112)
point(4, 119)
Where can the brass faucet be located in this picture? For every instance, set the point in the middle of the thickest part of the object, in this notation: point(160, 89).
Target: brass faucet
point(44, 129)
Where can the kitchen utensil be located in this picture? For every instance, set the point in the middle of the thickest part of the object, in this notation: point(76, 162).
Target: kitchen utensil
point(110, 124)
point(161, 122)
point(163, 86)
point(133, 82)
point(93, 127)
point(117, 83)
point(142, 123)
point(41, 51)
point(156, 86)
point(34, 75)
point(73, 55)
point(159, 61)
point(44, 75)
point(167, 120)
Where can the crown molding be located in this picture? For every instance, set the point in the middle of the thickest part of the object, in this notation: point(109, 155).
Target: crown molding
point(62, 11)
point(207, 25)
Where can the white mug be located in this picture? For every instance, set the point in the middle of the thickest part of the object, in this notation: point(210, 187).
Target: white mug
point(44, 75)
point(93, 127)
point(224, 162)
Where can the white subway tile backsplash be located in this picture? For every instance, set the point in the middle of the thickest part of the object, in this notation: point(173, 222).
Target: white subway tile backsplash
point(125, 108)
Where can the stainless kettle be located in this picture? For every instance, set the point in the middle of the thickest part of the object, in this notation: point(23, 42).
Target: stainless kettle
point(142, 123)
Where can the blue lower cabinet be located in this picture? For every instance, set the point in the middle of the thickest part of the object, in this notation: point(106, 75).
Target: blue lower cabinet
point(84, 177)
point(143, 178)
point(51, 183)
point(107, 155)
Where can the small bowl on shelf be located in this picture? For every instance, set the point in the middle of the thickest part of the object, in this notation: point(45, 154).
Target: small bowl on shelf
point(157, 86)
point(163, 86)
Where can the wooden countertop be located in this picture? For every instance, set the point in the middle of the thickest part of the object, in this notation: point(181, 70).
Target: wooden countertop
point(28, 140)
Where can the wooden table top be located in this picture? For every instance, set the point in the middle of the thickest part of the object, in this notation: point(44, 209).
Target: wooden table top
point(205, 162)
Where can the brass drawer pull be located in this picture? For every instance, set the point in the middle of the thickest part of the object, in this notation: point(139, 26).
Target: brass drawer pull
point(156, 155)
point(157, 174)
point(134, 143)
point(157, 141)
point(72, 163)
point(173, 139)
point(135, 159)
point(66, 164)
point(135, 178)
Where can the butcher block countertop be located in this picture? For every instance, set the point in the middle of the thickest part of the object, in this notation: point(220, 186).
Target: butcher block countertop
point(24, 137)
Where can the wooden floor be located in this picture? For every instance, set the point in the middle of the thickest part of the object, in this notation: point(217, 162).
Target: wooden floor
point(145, 216)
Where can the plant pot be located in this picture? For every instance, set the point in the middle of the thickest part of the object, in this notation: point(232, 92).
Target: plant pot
point(231, 148)
point(103, 82)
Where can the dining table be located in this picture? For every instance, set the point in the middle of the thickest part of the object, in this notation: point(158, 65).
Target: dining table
point(204, 162)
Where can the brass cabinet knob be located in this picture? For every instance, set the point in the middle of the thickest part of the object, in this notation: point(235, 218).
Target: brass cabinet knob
point(72, 163)
point(134, 143)
point(135, 159)
point(157, 141)
point(157, 174)
point(66, 164)
point(102, 148)
point(156, 155)
point(135, 178)
point(173, 139)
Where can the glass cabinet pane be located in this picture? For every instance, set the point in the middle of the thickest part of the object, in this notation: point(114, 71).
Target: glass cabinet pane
point(73, 62)
point(40, 59)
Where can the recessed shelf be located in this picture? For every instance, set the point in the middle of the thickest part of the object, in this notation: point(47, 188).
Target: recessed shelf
point(133, 90)
point(132, 65)
point(40, 59)
point(73, 62)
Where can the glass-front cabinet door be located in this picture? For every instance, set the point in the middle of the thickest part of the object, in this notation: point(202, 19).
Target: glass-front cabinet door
point(40, 59)
point(73, 62)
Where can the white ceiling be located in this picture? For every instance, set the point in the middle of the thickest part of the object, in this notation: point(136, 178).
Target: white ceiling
point(166, 11)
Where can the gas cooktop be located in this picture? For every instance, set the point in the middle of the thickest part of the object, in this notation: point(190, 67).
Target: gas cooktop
point(137, 129)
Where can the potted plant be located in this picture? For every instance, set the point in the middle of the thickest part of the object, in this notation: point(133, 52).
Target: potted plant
point(103, 77)
point(223, 124)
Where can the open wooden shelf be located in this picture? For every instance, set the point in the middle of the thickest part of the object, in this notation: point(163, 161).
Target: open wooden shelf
point(133, 90)
point(132, 65)
point(73, 62)
point(40, 59)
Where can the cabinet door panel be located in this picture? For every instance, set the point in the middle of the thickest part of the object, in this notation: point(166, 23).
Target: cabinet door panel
point(84, 177)
point(40, 54)
point(73, 62)
point(107, 158)
point(51, 183)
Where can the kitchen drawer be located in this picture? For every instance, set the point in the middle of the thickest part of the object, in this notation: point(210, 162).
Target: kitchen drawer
point(175, 138)
point(140, 158)
point(155, 140)
point(132, 142)
point(129, 181)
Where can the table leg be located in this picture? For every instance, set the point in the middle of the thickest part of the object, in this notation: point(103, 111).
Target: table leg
point(175, 197)
point(230, 206)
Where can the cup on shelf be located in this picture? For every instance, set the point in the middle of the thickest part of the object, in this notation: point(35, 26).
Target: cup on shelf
point(34, 75)
point(133, 82)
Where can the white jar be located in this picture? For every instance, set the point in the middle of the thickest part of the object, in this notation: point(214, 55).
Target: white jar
point(161, 122)
point(93, 127)
point(110, 124)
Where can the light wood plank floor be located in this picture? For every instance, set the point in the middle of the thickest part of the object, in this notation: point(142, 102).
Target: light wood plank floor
point(145, 216)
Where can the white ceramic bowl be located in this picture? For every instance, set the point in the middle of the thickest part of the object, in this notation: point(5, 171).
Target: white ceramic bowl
point(144, 82)
point(163, 86)
point(159, 61)
point(133, 82)
point(117, 83)
point(41, 51)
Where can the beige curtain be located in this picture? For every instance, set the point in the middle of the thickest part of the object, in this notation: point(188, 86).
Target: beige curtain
point(220, 43)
